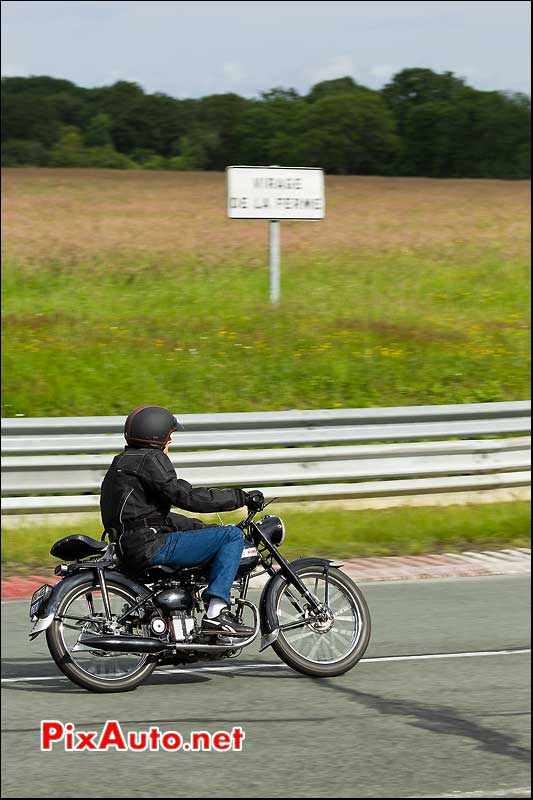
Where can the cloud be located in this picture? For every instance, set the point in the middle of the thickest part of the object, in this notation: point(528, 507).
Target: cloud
point(233, 72)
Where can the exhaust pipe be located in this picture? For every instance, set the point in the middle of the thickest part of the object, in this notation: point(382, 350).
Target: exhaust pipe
point(140, 644)
point(122, 644)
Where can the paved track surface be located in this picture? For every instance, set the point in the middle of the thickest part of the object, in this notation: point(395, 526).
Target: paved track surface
point(397, 725)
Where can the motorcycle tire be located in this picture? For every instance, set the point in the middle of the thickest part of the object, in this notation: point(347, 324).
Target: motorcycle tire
point(89, 670)
point(315, 650)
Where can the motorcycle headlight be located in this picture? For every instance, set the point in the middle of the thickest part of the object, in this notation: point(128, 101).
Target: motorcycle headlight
point(273, 529)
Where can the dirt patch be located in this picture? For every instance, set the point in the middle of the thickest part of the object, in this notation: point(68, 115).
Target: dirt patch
point(397, 330)
point(34, 322)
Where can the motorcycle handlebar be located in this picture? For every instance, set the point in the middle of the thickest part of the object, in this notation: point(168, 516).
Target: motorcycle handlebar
point(252, 511)
point(245, 522)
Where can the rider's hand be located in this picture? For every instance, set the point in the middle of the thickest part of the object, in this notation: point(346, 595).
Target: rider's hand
point(254, 500)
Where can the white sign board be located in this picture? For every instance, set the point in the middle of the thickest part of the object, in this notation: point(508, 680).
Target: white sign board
point(275, 193)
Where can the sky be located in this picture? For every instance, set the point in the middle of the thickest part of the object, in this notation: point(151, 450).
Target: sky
point(193, 49)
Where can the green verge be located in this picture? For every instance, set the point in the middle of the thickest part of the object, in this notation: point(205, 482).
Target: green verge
point(340, 534)
point(352, 330)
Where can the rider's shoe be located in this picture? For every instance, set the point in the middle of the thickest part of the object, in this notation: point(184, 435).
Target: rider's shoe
point(226, 624)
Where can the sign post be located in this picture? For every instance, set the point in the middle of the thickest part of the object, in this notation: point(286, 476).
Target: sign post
point(275, 193)
point(274, 260)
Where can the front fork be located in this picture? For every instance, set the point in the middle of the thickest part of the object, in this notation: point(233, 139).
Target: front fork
point(292, 577)
point(317, 607)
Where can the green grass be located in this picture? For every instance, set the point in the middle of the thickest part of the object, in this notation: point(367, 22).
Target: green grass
point(351, 330)
point(341, 534)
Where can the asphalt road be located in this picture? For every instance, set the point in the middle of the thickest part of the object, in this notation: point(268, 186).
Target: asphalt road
point(456, 724)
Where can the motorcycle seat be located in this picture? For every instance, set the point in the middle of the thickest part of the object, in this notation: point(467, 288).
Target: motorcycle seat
point(77, 546)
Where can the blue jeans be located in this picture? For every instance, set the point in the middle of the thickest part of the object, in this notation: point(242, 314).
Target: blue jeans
point(220, 545)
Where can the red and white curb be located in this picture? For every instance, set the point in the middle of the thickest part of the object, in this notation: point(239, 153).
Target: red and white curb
point(22, 587)
point(515, 561)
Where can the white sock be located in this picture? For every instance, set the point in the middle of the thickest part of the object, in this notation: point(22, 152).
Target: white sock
point(215, 607)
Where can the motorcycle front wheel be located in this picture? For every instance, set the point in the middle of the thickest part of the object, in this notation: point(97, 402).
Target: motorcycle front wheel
point(81, 612)
point(323, 645)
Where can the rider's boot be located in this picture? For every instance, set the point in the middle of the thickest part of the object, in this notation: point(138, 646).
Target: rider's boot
point(225, 624)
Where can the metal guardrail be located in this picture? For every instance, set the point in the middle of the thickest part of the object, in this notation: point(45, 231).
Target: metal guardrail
point(58, 464)
point(277, 419)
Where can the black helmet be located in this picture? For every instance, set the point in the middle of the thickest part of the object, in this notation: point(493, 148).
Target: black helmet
point(150, 425)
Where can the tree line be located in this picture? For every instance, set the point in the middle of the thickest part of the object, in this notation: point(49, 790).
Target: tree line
point(421, 123)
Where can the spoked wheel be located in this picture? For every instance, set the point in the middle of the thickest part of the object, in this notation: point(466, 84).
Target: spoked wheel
point(325, 644)
point(81, 612)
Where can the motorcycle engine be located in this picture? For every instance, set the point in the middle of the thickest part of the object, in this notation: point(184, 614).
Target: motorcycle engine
point(182, 626)
point(178, 602)
point(158, 626)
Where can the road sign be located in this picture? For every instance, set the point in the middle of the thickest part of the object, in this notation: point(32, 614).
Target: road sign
point(275, 193)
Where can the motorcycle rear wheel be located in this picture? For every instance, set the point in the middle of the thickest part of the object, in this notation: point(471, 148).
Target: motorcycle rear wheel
point(81, 610)
point(321, 649)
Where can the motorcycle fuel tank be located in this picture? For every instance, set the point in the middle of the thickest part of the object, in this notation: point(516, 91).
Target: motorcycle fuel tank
point(249, 558)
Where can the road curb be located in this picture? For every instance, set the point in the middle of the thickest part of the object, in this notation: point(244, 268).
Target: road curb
point(514, 561)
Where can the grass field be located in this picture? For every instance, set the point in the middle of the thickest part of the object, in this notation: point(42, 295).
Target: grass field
point(340, 534)
point(122, 288)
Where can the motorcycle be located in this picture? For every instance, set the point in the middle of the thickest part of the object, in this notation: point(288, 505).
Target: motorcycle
point(107, 628)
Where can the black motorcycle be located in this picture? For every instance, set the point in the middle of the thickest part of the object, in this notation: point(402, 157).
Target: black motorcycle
point(107, 628)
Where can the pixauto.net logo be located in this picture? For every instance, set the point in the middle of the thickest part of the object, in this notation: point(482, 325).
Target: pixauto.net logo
point(112, 738)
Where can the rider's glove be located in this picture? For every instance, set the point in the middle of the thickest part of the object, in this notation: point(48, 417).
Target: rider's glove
point(254, 500)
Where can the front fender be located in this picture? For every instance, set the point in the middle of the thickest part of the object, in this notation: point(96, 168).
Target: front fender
point(267, 588)
point(46, 616)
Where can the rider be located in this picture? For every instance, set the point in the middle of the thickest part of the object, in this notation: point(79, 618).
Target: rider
point(137, 492)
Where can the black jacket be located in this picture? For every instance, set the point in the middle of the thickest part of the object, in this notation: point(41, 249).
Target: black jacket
point(137, 493)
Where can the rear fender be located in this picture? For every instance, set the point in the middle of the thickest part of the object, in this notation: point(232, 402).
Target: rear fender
point(46, 616)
